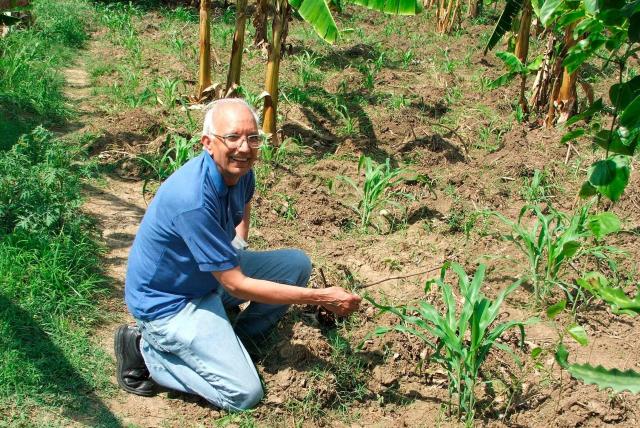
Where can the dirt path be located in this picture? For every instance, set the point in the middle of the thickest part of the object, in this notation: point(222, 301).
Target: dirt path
point(118, 206)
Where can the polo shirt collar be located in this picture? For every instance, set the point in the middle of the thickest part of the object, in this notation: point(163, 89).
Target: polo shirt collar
point(218, 180)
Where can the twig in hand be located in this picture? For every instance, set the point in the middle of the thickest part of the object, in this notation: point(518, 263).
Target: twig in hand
point(324, 279)
point(400, 277)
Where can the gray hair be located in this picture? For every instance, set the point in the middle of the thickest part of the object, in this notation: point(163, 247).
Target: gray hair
point(212, 109)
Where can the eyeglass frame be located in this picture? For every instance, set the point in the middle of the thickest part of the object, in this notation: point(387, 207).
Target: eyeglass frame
point(245, 139)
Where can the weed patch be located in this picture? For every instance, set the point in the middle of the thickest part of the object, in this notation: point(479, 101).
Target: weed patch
point(49, 259)
point(30, 63)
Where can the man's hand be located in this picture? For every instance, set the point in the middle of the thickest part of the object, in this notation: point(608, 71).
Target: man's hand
point(339, 301)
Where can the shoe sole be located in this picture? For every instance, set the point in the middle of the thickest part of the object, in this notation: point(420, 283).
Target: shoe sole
point(118, 344)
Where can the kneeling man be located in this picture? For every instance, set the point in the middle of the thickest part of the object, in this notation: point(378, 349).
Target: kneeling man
point(188, 263)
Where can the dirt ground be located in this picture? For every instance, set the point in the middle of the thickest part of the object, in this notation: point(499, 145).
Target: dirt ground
point(303, 374)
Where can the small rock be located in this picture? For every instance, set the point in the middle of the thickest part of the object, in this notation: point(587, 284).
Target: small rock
point(385, 377)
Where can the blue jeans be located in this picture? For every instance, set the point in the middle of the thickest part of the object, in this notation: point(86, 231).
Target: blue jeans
point(199, 351)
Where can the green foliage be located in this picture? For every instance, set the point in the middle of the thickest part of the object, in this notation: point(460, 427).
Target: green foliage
point(617, 380)
point(39, 186)
point(505, 23)
point(460, 339)
point(555, 239)
point(375, 191)
point(49, 284)
point(30, 63)
point(278, 155)
point(180, 151)
point(394, 7)
point(515, 68)
point(598, 285)
point(538, 188)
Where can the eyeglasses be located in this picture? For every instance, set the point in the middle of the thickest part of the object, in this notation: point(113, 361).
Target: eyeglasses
point(235, 141)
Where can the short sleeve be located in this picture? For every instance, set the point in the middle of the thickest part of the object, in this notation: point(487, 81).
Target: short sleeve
point(251, 187)
point(206, 239)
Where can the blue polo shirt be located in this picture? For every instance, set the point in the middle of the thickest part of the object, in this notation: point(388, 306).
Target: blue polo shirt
point(185, 235)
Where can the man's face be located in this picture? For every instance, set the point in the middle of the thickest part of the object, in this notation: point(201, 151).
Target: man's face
point(232, 163)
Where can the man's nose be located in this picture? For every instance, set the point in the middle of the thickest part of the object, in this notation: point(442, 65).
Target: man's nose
point(244, 145)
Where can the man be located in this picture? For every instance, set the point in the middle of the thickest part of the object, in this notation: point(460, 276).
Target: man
point(187, 265)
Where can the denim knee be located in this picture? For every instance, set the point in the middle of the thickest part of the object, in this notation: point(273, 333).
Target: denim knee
point(301, 264)
point(246, 397)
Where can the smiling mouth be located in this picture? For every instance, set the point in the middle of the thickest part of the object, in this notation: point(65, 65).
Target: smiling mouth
point(240, 159)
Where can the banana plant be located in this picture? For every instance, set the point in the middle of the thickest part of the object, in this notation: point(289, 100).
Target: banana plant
point(317, 14)
point(204, 71)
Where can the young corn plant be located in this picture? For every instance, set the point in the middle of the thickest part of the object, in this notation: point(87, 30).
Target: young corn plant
point(375, 191)
point(555, 239)
point(172, 159)
point(460, 337)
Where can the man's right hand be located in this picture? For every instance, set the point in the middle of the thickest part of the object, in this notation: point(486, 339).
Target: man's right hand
point(339, 301)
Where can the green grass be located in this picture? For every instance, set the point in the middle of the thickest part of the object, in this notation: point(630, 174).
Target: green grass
point(49, 288)
point(30, 63)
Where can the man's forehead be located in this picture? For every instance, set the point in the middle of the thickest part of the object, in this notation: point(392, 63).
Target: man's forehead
point(234, 113)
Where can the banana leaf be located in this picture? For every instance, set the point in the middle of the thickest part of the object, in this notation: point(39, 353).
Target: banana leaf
point(511, 9)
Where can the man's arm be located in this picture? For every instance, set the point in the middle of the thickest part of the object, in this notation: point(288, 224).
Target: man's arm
point(335, 299)
point(242, 229)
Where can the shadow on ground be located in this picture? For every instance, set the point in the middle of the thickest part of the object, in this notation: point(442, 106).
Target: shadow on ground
point(49, 379)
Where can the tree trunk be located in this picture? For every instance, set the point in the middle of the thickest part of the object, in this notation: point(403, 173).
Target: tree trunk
point(204, 74)
point(235, 64)
point(564, 94)
point(475, 8)
point(273, 70)
point(260, 22)
point(522, 49)
point(540, 89)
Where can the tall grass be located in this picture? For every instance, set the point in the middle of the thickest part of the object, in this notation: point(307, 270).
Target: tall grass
point(31, 58)
point(50, 284)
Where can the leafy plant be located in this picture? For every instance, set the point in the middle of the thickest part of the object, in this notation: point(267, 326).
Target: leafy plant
point(464, 337)
point(286, 207)
point(537, 189)
point(555, 239)
point(615, 379)
point(273, 155)
point(598, 285)
point(515, 68)
point(374, 193)
point(180, 151)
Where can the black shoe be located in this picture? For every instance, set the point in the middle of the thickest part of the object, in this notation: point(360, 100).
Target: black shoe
point(132, 373)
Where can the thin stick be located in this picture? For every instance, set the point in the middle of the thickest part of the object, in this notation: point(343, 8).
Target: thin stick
point(324, 279)
point(400, 277)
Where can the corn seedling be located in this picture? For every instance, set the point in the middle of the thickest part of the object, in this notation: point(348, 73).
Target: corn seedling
point(374, 193)
point(169, 95)
point(555, 239)
point(273, 155)
point(172, 159)
point(537, 189)
point(286, 207)
point(460, 338)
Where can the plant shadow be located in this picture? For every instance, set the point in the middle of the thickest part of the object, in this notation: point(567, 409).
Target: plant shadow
point(59, 384)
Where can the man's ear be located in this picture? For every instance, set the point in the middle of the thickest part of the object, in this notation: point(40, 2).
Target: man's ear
point(207, 143)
